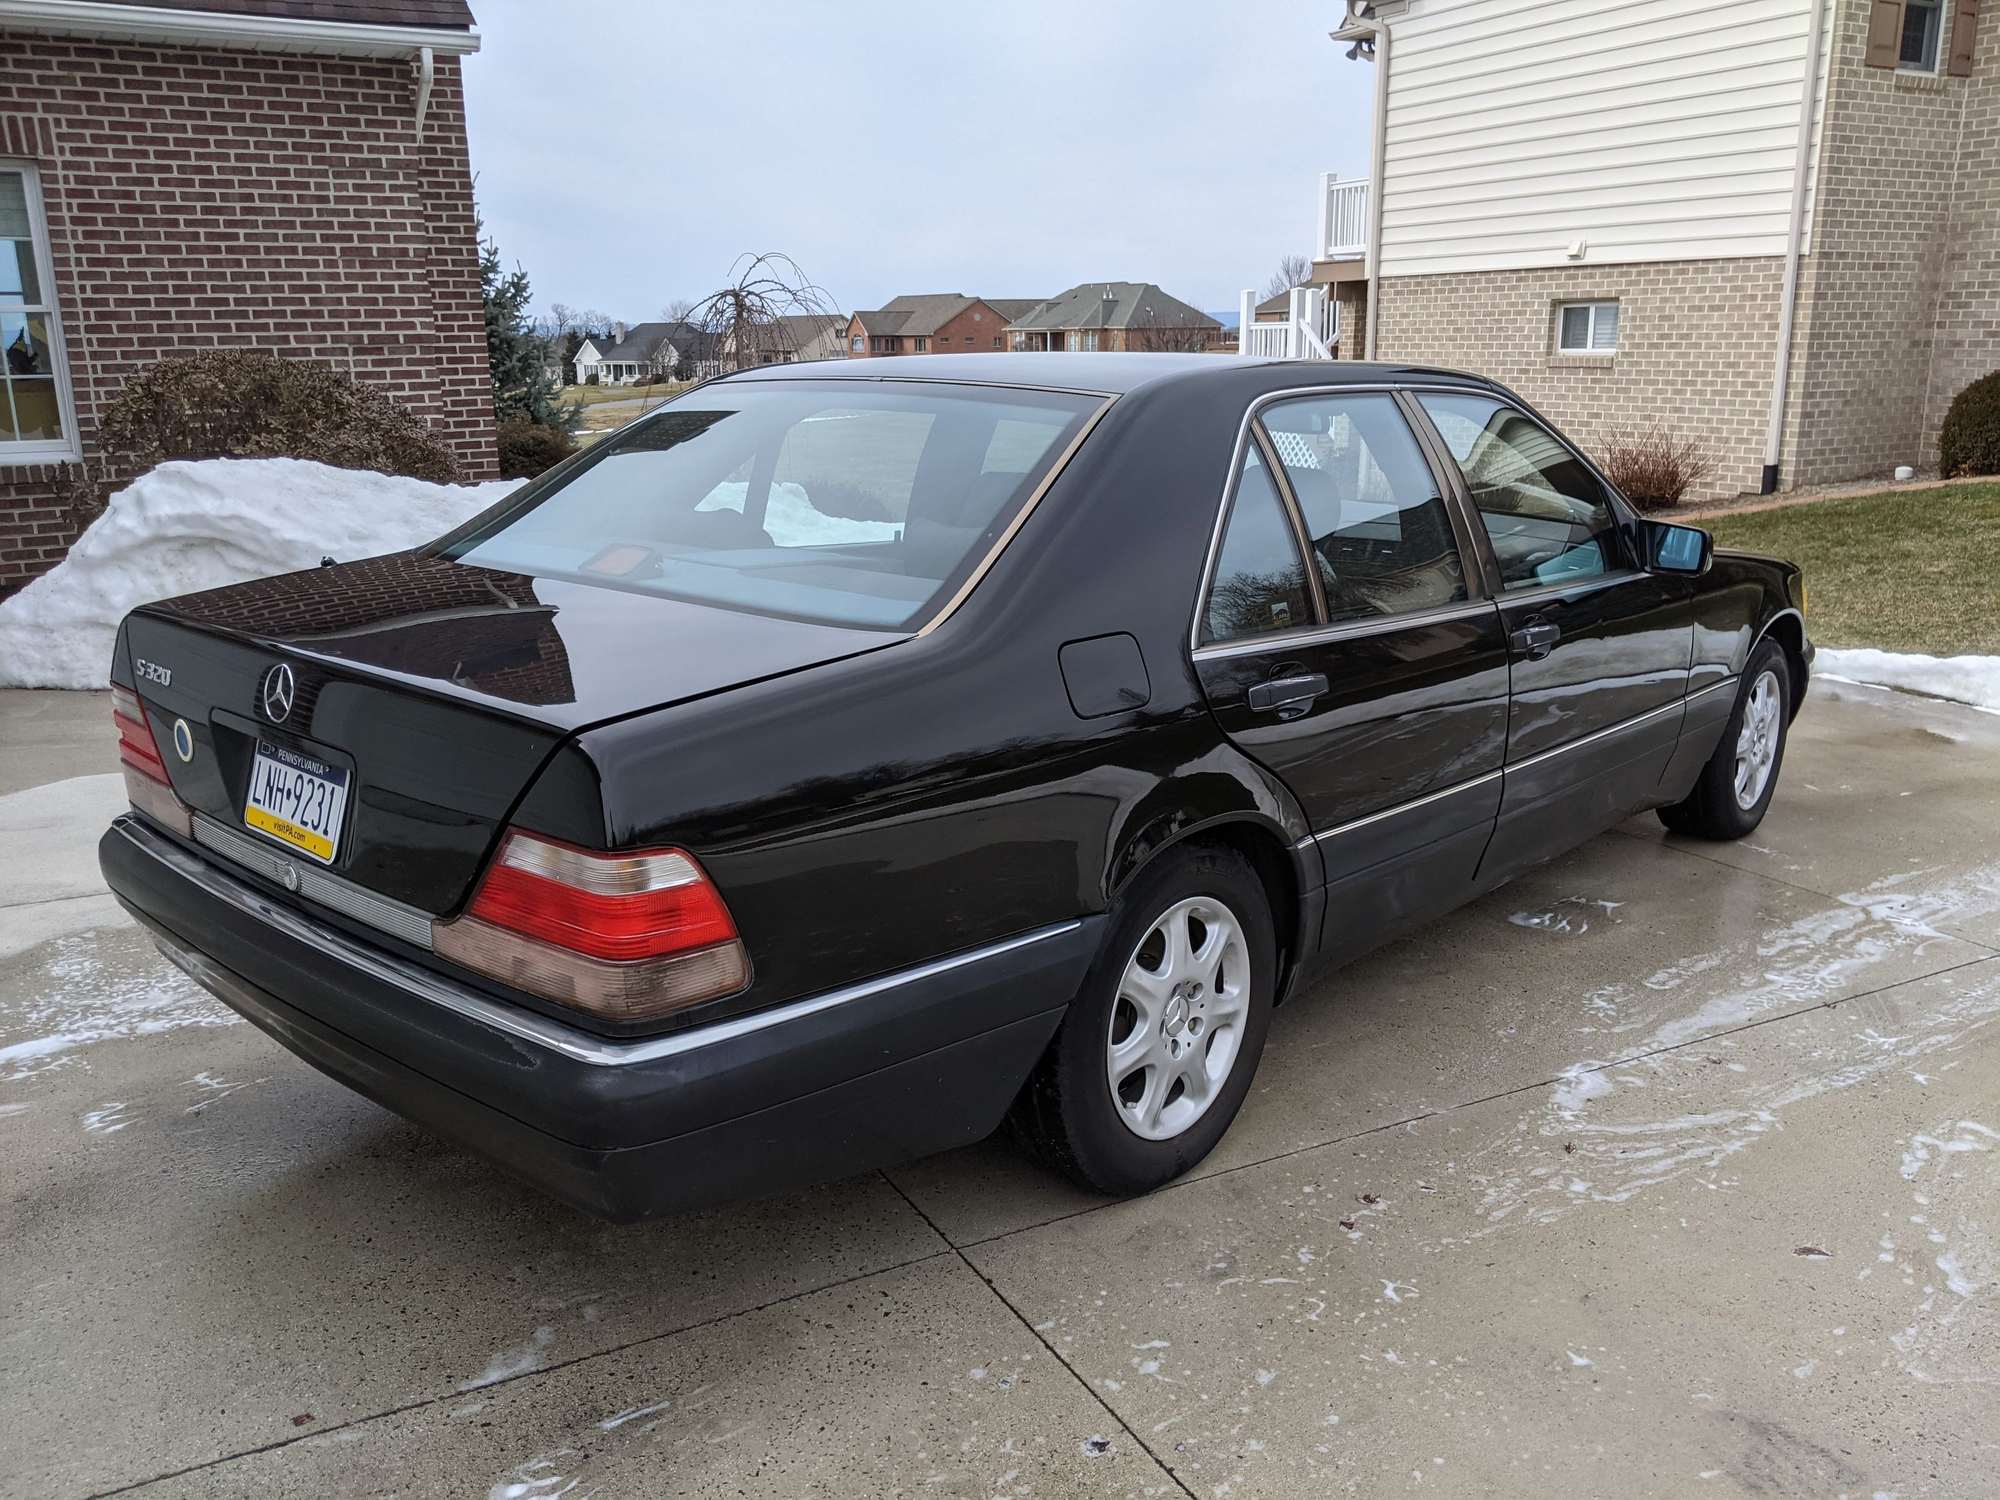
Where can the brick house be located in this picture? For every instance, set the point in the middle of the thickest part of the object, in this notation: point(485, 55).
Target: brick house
point(1115, 315)
point(289, 175)
point(934, 323)
point(1619, 208)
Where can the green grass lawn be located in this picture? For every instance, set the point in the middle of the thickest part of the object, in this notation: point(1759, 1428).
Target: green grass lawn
point(1916, 570)
point(591, 395)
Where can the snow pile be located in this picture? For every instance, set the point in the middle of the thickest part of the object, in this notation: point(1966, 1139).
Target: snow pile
point(1963, 679)
point(191, 526)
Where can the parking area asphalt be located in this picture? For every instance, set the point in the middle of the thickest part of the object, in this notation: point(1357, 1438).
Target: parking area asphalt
point(1669, 1169)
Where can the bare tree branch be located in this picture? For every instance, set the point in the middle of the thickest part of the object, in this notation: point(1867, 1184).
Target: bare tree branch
point(745, 324)
point(1293, 270)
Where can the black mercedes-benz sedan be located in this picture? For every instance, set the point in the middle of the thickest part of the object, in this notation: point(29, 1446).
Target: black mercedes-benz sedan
point(846, 758)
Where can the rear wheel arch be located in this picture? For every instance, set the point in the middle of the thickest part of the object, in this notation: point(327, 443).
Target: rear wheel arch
point(1268, 853)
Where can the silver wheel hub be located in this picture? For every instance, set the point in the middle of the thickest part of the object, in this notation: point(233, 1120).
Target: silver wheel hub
point(1177, 1021)
point(1757, 739)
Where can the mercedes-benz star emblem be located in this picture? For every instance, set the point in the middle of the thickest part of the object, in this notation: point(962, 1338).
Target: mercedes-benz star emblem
point(278, 692)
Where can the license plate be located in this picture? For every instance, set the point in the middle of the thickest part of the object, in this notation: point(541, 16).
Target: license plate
point(297, 800)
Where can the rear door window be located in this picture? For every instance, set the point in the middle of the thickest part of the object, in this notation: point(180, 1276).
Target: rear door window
point(851, 503)
point(1380, 534)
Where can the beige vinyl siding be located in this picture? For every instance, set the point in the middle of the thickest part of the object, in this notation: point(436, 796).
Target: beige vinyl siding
point(1653, 129)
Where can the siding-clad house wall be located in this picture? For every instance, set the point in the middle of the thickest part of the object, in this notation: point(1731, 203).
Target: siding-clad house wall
point(1653, 129)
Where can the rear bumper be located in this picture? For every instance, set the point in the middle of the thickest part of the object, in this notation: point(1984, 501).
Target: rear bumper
point(884, 1071)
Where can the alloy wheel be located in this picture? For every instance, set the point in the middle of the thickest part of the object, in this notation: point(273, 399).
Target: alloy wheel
point(1757, 740)
point(1177, 1023)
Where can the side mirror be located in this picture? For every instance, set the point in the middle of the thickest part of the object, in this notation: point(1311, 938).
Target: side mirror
point(1667, 548)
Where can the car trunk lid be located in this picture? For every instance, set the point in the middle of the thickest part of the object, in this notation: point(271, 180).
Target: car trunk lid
point(429, 693)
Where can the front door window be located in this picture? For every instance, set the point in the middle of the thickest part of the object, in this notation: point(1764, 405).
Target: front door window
point(1546, 514)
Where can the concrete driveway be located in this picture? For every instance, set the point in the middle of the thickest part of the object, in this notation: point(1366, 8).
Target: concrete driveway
point(1671, 1169)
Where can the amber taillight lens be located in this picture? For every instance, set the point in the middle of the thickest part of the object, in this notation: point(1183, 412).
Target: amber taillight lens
point(629, 936)
point(146, 783)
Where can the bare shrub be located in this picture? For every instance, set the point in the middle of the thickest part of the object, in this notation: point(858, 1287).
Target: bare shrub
point(244, 403)
point(1654, 469)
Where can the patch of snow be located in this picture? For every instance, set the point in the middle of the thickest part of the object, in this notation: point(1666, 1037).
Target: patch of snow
point(792, 520)
point(93, 995)
point(1962, 679)
point(511, 1362)
point(632, 1415)
point(184, 527)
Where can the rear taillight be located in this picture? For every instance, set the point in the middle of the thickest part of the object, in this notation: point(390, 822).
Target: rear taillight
point(146, 784)
point(629, 936)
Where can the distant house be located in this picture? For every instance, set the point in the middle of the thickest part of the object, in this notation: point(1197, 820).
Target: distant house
point(286, 175)
point(1114, 315)
point(792, 338)
point(934, 323)
point(631, 354)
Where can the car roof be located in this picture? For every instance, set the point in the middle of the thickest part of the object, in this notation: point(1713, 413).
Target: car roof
point(1109, 374)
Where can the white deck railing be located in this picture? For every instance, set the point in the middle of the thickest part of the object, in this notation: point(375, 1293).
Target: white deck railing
point(1343, 217)
point(1310, 328)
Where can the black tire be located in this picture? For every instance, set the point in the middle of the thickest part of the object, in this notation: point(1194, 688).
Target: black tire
point(1066, 1115)
point(1713, 809)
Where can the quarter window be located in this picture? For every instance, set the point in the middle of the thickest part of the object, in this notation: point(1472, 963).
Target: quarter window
point(1588, 328)
point(1380, 534)
point(1547, 515)
point(35, 420)
point(1260, 579)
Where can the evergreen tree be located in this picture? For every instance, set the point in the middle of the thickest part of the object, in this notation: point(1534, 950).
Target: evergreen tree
point(523, 384)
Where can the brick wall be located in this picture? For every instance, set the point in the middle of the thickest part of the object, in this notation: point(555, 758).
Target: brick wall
point(979, 323)
point(1967, 345)
point(1695, 342)
point(201, 197)
point(1871, 286)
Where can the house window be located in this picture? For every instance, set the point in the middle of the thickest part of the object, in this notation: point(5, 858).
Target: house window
point(923, 345)
point(1588, 328)
point(968, 341)
point(996, 341)
point(855, 343)
point(35, 417)
point(1923, 20)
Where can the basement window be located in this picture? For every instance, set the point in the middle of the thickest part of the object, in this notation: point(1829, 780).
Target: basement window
point(1587, 328)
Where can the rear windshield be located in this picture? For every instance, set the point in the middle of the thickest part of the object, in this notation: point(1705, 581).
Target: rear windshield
point(849, 502)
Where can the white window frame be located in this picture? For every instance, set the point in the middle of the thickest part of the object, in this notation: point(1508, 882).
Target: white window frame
point(1590, 348)
point(1931, 69)
point(67, 447)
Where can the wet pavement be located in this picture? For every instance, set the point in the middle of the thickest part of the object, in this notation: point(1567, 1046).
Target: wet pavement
point(1669, 1169)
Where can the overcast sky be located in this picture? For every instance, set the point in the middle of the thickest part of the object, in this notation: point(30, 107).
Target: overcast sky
point(626, 151)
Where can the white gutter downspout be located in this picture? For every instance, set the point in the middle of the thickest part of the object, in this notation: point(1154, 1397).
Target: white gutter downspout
point(426, 71)
point(1358, 21)
point(1774, 432)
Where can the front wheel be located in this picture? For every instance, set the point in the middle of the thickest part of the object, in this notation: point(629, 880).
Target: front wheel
point(1157, 1051)
point(1734, 789)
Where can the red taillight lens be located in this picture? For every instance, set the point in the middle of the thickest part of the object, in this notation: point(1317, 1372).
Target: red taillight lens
point(146, 783)
point(630, 936)
point(613, 906)
point(136, 746)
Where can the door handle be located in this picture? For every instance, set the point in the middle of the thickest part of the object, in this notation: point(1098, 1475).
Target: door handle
point(1536, 639)
point(1288, 695)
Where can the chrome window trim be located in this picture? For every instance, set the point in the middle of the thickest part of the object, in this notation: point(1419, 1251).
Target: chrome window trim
point(1021, 514)
point(1347, 630)
point(524, 1025)
point(1589, 584)
point(406, 923)
point(1250, 413)
point(1532, 760)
